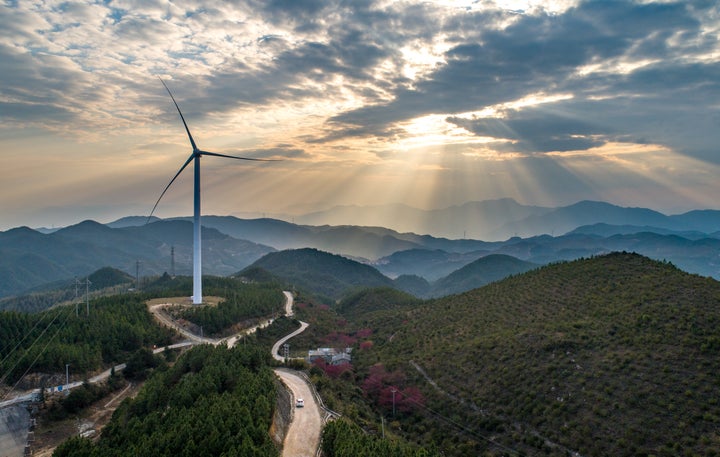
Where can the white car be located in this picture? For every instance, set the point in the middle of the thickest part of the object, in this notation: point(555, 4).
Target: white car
point(299, 403)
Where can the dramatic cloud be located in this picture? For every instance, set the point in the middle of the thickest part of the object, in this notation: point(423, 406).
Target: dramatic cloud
point(388, 93)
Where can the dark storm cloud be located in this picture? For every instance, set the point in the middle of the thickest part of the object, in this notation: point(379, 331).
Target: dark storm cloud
point(324, 50)
point(31, 83)
point(536, 131)
point(359, 38)
point(546, 53)
point(352, 53)
point(303, 13)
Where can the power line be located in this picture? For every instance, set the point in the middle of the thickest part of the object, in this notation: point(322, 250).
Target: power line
point(67, 316)
point(21, 342)
point(31, 346)
point(464, 428)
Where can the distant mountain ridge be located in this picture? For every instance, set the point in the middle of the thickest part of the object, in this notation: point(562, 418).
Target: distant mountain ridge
point(474, 220)
point(606, 230)
point(494, 220)
point(335, 277)
point(29, 258)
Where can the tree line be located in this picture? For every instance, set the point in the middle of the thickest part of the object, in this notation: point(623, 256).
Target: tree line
point(213, 401)
point(45, 342)
point(246, 301)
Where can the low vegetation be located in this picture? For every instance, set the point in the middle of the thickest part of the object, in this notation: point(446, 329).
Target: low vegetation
point(345, 439)
point(613, 355)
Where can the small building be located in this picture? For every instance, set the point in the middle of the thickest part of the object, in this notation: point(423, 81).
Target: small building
point(331, 356)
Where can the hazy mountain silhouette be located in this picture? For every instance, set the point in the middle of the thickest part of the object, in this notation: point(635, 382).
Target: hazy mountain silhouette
point(474, 220)
point(494, 220)
point(132, 221)
point(606, 230)
point(29, 258)
point(563, 220)
point(429, 264)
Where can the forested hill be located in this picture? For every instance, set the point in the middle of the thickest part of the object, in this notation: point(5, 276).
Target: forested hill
point(105, 281)
point(321, 272)
point(213, 401)
point(612, 355)
point(479, 273)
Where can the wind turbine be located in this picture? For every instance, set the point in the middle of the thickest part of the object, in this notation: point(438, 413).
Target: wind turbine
point(195, 158)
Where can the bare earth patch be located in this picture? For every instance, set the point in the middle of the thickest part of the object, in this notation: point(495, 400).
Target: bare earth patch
point(50, 434)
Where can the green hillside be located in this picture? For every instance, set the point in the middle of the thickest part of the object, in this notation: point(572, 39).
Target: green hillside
point(109, 277)
point(613, 355)
point(479, 273)
point(40, 344)
point(323, 273)
point(377, 300)
point(105, 281)
point(412, 284)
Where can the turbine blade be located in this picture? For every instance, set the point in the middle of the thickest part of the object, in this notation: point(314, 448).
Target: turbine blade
point(187, 162)
point(192, 142)
point(215, 154)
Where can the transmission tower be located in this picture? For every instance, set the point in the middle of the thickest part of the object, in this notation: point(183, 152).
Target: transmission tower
point(87, 296)
point(286, 351)
point(77, 303)
point(172, 262)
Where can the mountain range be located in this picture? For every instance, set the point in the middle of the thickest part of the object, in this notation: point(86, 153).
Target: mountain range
point(496, 220)
point(30, 258)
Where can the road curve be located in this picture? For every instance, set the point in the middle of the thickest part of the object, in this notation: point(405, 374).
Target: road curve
point(155, 310)
point(280, 342)
point(289, 300)
point(303, 436)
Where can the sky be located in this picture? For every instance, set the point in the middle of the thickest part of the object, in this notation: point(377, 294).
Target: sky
point(430, 104)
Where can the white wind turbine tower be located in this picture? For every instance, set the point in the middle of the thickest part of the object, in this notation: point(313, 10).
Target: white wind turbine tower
point(195, 157)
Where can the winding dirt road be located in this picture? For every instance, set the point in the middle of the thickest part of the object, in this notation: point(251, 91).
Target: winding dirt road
point(280, 342)
point(303, 437)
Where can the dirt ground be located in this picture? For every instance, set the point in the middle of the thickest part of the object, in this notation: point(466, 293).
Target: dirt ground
point(212, 301)
point(49, 434)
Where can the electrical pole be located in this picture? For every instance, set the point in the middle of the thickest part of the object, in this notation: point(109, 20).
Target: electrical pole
point(393, 394)
point(67, 379)
point(137, 275)
point(87, 296)
point(77, 304)
point(172, 262)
